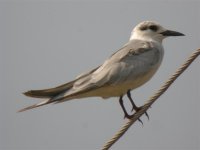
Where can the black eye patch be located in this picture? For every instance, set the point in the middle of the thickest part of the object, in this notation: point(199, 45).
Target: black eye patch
point(153, 28)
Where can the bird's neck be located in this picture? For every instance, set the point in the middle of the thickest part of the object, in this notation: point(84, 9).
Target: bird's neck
point(135, 36)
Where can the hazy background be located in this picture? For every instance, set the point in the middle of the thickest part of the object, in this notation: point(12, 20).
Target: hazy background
point(47, 43)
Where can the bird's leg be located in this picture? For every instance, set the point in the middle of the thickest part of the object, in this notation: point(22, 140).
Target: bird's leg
point(126, 115)
point(133, 104)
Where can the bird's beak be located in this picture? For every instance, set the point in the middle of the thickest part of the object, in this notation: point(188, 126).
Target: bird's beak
point(171, 33)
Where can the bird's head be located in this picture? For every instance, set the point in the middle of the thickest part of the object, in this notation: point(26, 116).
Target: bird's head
point(152, 31)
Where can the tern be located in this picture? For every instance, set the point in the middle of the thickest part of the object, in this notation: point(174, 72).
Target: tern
point(128, 68)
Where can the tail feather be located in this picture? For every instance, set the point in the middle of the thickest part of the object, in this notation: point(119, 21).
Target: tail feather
point(36, 105)
point(55, 95)
point(46, 93)
point(53, 100)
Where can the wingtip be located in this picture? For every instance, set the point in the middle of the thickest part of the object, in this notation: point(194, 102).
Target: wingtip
point(33, 93)
point(28, 93)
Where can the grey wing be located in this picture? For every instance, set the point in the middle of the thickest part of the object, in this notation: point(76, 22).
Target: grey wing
point(135, 58)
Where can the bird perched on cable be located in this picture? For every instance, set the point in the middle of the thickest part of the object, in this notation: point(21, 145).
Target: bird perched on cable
point(128, 68)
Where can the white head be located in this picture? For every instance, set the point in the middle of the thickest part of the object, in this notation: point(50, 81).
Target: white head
point(152, 31)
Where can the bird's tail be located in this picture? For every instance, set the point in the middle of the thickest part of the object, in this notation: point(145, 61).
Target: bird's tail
point(36, 105)
point(55, 95)
point(47, 93)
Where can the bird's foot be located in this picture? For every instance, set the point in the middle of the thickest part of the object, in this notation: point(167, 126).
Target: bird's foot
point(131, 116)
point(138, 109)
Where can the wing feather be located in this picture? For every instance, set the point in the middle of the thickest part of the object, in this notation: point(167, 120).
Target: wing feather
point(120, 67)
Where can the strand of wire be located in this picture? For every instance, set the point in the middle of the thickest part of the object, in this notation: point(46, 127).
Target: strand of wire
point(151, 100)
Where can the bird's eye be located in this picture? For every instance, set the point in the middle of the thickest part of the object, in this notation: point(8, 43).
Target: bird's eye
point(153, 28)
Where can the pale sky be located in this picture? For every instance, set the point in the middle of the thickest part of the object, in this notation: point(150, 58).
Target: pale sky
point(47, 43)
